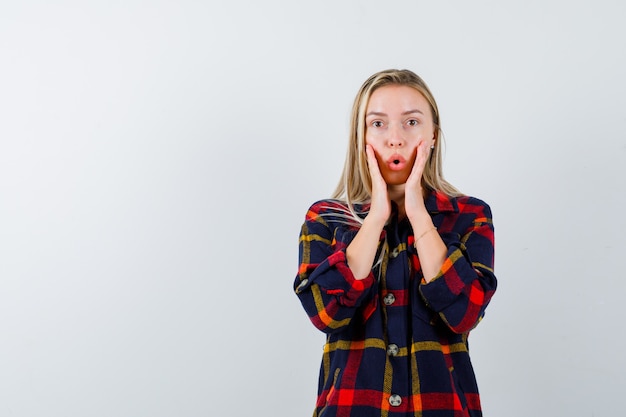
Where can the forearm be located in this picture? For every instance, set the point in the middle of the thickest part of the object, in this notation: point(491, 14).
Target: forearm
point(431, 249)
point(466, 282)
point(325, 285)
point(361, 252)
point(461, 292)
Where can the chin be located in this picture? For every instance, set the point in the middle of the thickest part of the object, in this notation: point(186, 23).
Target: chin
point(396, 178)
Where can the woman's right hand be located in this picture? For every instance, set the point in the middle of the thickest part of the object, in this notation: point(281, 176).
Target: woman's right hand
point(380, 208)
point(361, 252)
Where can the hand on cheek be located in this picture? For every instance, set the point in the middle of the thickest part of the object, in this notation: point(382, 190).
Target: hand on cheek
point(380, 209)
point(422, 153)
point(413, 192)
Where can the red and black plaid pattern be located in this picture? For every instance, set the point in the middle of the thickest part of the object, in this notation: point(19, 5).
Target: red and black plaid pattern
point(396, 345)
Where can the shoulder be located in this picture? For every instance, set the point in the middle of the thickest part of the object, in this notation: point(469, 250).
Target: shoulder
point(461, 205)
point(463, 214)
point(328, 206)
point(439, 202)
point(331, 211)
point(469, 201)
point(331, 205)
point(472, 205)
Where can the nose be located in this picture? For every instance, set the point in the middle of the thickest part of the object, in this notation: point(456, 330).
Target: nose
point(396, 138)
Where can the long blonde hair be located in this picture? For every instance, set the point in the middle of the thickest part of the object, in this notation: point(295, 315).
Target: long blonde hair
point(355, 186)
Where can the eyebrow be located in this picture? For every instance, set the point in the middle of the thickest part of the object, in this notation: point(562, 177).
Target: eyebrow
point(376, 113)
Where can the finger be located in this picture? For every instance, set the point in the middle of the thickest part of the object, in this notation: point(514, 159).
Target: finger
point(371, 156)
point(372, 163)
point(424, 152)
point(418, 165)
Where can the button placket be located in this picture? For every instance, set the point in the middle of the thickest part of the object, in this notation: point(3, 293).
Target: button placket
point(397, 274)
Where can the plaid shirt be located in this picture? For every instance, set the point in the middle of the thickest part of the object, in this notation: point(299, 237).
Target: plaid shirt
point(396, 345)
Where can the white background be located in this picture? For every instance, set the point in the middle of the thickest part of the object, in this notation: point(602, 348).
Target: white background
point(157, 159)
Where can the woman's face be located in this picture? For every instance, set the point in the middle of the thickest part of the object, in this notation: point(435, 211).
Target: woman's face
point(398, 118)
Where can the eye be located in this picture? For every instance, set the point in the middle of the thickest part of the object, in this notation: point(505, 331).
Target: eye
point(412, 122)
point(377, 123)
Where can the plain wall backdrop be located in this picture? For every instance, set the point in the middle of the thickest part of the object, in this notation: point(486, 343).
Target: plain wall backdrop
point(157, 159)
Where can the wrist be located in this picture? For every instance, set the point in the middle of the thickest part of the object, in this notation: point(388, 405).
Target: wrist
point(421, 235)
point(421, 222)
point(374, 222)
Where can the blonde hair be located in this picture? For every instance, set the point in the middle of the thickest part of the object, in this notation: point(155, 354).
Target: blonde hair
point(355, 186)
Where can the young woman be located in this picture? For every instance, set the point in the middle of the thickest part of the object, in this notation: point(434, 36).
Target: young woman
point(397, 267)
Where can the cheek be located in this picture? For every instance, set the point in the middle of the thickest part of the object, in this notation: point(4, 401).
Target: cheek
point(429, 133)
point(412, 149)
point(413, 158)
point(376, 145)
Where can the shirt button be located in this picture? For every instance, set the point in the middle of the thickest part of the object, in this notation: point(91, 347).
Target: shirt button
point(389, 299)
point(395, 400)
point(392, 349)
point(394, 253)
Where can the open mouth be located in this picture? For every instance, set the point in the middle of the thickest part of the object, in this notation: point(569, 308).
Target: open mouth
point(396, 162)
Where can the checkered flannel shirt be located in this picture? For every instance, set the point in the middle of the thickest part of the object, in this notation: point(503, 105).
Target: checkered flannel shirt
point(395, 344)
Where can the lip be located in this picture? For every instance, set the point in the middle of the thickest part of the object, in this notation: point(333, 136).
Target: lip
point(396, 162)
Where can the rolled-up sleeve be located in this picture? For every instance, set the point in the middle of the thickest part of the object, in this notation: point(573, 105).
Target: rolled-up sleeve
point(325, 285)
point(466, 282)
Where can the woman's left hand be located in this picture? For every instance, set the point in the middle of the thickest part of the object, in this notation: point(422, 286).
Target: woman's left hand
point(413, 191)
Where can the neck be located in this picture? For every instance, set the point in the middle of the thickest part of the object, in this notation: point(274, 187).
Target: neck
point(396, 194)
